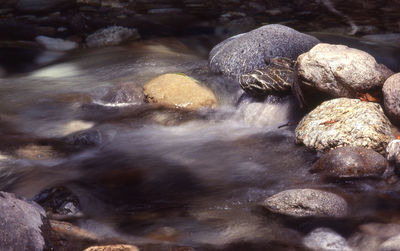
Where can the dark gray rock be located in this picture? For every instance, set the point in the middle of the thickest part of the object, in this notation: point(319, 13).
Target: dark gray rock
point(391, 97)
point(247, 52)
point(21, 224)
point(33, 6)
point(110, 36)
point(351, 162)
point(307, 202)
point(325, 239)
point(125, 93)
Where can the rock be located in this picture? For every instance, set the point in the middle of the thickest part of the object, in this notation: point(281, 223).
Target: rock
point(113, 248)
point(180, 91)
point(249, 51)
point(391, 98)
point(110, 36)
point(345, 122)
point(351, 162)
point(125, 93)
point(34, 6)
point(325, 239)
point(22, 224)
point(340, 71)
point(56, 44)
point(277, 77)
point(307, 202)
point(391, 244)
point(393, 154)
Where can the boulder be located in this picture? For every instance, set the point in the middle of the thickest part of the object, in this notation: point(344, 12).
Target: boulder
point(112, 248)
point(345, 122)
point(339, 71)
point(22, 224)
point(34, 6)
point(391, 98)
point(351, 162)
point(180, 91)
point(307, 202)
point(110, 36)
point(325, 239)
point(252, 50)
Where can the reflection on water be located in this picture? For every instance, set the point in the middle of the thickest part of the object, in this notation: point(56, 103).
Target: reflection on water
point(147, 174)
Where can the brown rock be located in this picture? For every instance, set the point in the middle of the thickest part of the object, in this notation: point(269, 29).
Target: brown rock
point(113, 248)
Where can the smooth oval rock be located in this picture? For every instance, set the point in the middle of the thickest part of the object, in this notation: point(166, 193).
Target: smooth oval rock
point(340, 71)
point(307, 202)
point(249, 51)
point(345, 122)
point(391, 98)
point(325, 239)
point(351, 162)
point(180, 91)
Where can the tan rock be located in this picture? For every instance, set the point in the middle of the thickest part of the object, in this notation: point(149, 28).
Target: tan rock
point(180, 91)
point(113, 248)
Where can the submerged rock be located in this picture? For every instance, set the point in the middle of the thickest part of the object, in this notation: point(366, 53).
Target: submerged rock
point(325, 239)
point(391, 97)
point(307, 202)
point(277, 77)
point(180, 91)
point(125, 93)
point(340, 71)
point(345, 122)
point(249, 51)
point(22, 224)
point(112, 248)
point(351, 162)
point(110, 36)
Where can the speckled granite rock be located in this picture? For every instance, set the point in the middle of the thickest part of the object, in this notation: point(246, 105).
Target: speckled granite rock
point(307, 202)
point(391, 97)
point(345, 122)
point(325, 239)
point(249, 51)
point(110, 36)
point(351, 162)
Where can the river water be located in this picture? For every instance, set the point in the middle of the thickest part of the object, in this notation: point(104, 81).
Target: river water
point(162, 178)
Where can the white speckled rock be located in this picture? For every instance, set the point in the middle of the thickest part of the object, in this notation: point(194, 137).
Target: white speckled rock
point(110, 36)
point(307, 202)
point(391, 97)
point(340, 71)
point(345, 122)
point(325, 239)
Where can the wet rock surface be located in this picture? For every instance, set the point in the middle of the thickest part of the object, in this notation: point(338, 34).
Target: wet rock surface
point(345, 122)
point(351, 162)
point(340, 71)
point(391, 94)
point(250, 51)
point(307, 202)
point(325, 239)
point(110, 36)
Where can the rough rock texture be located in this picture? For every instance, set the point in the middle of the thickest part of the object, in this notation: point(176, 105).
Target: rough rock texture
point(351, 162)
point(113, 248)
point(21, 224)
point(391, 98)
point(178, 90)
point(277, 77)
point(307, 202)
point(250, 51)
point(113, 35)
point(34, 6)
point(325, 239)
point(345, 122)
point(340, 71)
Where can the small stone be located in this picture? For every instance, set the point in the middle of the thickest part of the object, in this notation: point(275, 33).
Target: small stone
point(110, 36)
point(56, 44)
point(180, 91)
point(345, 122)
point(325, 239)
point(120, 247)
point(307, 202)
point(391, 97)
point(351, 162)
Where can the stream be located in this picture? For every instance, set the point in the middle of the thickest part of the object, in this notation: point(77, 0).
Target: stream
point(170, 179)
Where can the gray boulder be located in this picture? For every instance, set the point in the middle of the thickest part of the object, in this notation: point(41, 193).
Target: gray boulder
point(391, 97)
point(340, 71)
point(345, 122)
point(110, 36)
point(351, 162)
point(21, 224)
point(252, 50)
point(33, 6)
point(307, 202)
point(325, 239)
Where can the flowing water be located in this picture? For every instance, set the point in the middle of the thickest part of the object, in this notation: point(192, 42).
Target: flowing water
point(162, 178)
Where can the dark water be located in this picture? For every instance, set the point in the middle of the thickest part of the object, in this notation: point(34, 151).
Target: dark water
point(162, 178)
